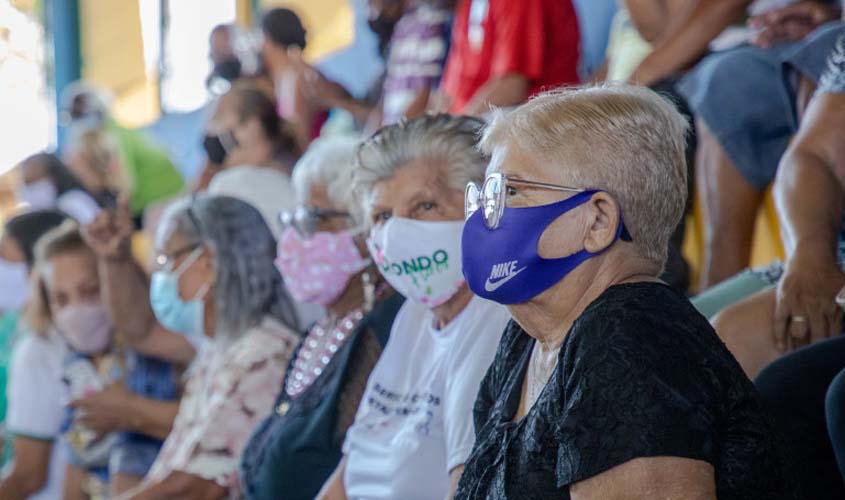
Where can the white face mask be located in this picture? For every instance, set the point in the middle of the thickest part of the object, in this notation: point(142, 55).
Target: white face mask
point(14, 285)
point(420, 259)
point(39, 195)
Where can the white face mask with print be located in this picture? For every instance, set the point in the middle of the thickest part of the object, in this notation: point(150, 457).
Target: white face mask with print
point(39, 195)
point(420, 259)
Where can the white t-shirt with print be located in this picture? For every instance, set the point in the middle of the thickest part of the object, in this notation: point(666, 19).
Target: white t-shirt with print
point(35, 393)
point(415, 423)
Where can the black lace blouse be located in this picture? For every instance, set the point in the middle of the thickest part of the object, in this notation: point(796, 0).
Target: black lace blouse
point(640, 374)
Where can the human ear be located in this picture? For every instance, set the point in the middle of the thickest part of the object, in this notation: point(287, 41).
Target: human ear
point(603, 213)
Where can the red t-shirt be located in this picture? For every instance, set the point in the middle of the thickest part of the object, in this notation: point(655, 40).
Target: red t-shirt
point(492, 38)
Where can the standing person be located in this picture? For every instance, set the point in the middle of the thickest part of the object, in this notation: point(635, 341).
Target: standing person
point(419, 43)
point(608, 384)
point(46, 183)
point(282, 52)
point(322, 259)
point(503, 52)
point(413, 431)
point(215, 277)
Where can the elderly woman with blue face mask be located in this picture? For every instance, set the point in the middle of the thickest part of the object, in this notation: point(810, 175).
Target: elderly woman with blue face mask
point(323, 259)
point(215, 277)
point(608, 384)
point(413, 431)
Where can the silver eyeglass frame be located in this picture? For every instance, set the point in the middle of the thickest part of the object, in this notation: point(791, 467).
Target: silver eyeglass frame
point(492, 196)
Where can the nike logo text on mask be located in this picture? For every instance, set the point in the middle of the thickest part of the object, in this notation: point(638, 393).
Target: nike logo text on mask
point(503, 273)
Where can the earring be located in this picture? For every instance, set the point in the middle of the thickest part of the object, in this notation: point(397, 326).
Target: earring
point(369, 291)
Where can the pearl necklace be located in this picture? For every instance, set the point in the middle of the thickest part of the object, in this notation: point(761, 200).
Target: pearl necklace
point(317, 350)
point(540, 368)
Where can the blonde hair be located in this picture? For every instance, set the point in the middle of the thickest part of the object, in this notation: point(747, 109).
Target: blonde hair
point(102, 157)
point(62, 240)
point(622, 139)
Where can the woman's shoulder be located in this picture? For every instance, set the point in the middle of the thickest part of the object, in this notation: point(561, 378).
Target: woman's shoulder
point(269, 339)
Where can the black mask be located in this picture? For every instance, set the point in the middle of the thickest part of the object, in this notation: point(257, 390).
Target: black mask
point(228, 70)
point(383, 29)
point(214, 149)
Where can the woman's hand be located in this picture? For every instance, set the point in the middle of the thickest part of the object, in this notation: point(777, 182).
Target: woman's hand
point(790, 23)
point(806, 309)
point(106, 411)
point(110, 234)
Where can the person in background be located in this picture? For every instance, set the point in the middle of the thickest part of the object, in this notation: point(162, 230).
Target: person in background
point(410, 179)
point(504, 52)
point(270, 192)
point(216, 279)
point(149, 172)
point(790, 336)
point(46, 183)
point(250, 133)
point(17, 243)
point(73, 326)
point(419, 43)
point(282, 52)
point(738, 152)
point(322, 258)
point(226, 65)
point(92, 157)
point(573, 245)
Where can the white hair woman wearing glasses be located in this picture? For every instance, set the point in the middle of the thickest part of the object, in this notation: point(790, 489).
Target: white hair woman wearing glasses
point(608, 384)
point(413, 431)
point(323, 258)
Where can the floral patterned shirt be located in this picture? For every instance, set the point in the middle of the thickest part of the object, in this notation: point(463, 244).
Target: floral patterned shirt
point(231, 390)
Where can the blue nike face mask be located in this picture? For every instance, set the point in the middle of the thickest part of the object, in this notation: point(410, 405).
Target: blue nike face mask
point(503, 265)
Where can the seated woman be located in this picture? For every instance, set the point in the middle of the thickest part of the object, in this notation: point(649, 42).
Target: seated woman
point(46, 183)
point(30, 365)
point(608, 384)
point(413, 431)
point(322, 259)
point(216, 276)
point(68, 315)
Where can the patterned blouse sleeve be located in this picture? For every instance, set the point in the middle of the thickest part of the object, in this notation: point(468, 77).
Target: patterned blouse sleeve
point(245, 391)
point(833, 79)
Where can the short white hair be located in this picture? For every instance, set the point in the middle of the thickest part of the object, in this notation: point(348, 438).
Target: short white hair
point(329, 162)
point(445, 139)
point(623, 139)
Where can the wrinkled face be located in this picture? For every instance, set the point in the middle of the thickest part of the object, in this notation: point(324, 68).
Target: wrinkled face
point(418, 190)
point(71, 278)
point(327, 215)
point(173, 249)
point(565, 235)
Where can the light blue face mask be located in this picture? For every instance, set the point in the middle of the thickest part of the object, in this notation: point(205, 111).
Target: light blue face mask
point(172, 312)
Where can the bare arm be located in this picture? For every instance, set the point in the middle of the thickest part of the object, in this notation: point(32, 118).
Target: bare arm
point(334, 488)
point(126, 289)
point(117, 409)
point(29, 471)
point(667, 478)
point(454, 480)
point(810, 200)
point(177, 486)
point(501, 92)
point(688, 40)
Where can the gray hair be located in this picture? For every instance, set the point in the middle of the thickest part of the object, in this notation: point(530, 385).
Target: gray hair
point(623, 139)
point(330, 163)
point(248, 285)
point(450, 140)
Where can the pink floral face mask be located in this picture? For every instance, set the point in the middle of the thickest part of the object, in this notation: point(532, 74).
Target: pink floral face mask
point(317, 269)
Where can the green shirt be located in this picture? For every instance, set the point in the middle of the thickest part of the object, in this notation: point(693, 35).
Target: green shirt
point(153, 176)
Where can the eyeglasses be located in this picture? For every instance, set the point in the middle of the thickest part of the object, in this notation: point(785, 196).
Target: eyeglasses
point(166, 261)
point(306, 219)
point(492, 196)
